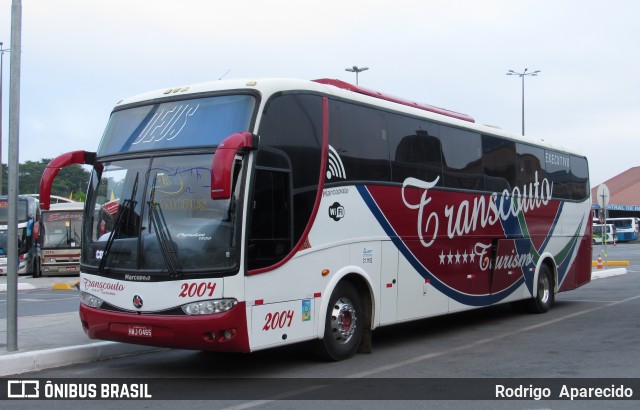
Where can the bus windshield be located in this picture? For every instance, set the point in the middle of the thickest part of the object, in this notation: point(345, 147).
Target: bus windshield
point(62, 229)
point(22, 241)
point(23, 213)
point(156, 215)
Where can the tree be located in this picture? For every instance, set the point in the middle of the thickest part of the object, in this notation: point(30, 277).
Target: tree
point(71, 180)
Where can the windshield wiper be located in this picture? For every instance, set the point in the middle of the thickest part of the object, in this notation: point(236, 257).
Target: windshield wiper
point(127, 207)
point(159, 225)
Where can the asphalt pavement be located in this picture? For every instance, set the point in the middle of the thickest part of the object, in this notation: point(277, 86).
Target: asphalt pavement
point(54, 340)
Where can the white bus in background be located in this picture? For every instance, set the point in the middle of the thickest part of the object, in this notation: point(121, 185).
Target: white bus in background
point(609, 230)
point(626, 228)
point(62, 225)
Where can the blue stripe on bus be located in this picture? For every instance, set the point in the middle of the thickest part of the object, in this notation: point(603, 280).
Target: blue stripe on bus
point(470, 300)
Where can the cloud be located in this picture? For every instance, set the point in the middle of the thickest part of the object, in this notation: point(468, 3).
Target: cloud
point(79, 58)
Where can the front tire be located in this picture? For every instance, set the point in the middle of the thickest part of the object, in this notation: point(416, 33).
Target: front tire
point(344, 324)
point(544, 298)
point(37, 269)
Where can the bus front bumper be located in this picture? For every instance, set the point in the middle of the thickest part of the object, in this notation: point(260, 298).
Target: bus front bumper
point(22, 266)
point(224, 332)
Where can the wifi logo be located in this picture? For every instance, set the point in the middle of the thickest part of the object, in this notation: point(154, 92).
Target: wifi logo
point(336, 168)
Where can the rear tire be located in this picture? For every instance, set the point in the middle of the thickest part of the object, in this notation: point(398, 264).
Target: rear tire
point(544, 298)
point(344, 324)
point(37, 269)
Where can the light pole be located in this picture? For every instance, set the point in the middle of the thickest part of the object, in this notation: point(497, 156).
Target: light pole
point(523, 75)
point(356, 69)
point(2, 51)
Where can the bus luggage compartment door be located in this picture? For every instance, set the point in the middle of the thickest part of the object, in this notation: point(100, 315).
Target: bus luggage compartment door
point(282, 323)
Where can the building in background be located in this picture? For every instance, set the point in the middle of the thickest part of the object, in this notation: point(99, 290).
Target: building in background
point(624, 204)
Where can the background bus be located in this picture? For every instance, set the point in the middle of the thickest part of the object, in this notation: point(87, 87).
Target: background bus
point(608, 229)
point(626, 228)
point(29, 227)
point(242, 215)
point(62, 229)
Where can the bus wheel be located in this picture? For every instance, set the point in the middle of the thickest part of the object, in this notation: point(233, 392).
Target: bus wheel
point(37, 272)
point(343, 325)
point(544, 297)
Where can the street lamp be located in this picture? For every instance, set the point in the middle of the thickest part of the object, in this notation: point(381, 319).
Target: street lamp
point(522, 75)
point(2, 51)
point(356, 69)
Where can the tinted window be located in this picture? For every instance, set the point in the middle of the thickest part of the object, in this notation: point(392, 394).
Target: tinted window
point(462, 159)
point(499, 163)
point(360, 137)
point(529, 162)
point(290, 140)
point(291, 127)
point(558, 171)
point(415, 150)
point(270, 231)
point(579, 178)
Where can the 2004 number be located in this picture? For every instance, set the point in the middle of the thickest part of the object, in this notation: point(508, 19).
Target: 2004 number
point(197, 289)
point(278, 320)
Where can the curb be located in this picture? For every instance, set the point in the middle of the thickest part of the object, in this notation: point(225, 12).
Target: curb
point(16, 363)
point(599, 274)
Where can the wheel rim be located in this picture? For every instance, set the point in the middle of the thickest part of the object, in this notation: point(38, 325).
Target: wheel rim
point(543, 289)
point(343, 321)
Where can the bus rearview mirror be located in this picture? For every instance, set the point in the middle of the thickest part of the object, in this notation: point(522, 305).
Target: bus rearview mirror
point(223, 161)
point(56, 164)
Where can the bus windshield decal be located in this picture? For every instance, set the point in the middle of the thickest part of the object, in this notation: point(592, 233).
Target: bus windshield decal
point(177, 124)
point(167, 123)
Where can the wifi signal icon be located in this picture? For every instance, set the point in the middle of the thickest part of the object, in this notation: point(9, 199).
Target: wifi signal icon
point(336, 168)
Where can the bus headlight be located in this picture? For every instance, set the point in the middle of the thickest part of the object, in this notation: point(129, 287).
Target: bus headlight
point(90, 300)
point(209, 307)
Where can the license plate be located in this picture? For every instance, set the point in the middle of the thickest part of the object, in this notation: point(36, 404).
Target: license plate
point(140, 331)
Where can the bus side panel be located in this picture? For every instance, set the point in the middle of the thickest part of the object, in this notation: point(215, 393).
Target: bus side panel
point(417, 297)
point(274, 324)
point(574, 269)
point(580, 272)
point(301, 285)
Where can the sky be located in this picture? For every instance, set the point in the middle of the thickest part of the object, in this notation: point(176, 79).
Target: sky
point(79, 58)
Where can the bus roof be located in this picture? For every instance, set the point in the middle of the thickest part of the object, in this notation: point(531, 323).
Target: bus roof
point(268, 86)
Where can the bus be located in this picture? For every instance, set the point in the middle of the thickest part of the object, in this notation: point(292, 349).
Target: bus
point(55, 199)
point(609, 233)
point(626, 228)
point(61, 240)
point(241, 215)
point(29, 241)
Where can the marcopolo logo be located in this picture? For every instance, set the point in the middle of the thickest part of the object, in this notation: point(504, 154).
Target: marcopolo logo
point(336, 211)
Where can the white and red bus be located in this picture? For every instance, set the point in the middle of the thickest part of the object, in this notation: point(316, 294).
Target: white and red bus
point(242, 215)
point(61, 239)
